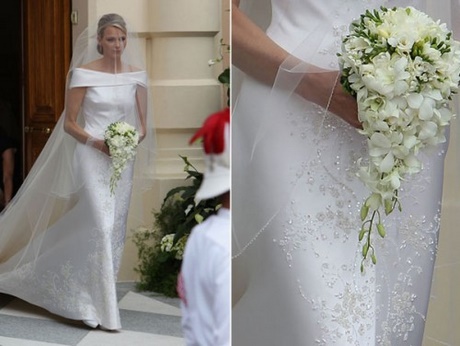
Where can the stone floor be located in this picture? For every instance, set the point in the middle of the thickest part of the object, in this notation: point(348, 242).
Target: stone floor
point(147, 319)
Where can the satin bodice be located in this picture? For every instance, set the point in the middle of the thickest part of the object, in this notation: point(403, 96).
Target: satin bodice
point(313, 30)
point(113, 96)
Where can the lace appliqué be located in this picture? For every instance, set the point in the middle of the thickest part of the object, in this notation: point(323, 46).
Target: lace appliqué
point(323, 218)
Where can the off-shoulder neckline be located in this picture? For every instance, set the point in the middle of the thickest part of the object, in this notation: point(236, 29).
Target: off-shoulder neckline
point(109, 73)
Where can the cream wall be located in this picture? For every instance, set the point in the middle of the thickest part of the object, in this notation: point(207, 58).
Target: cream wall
point(180, 37)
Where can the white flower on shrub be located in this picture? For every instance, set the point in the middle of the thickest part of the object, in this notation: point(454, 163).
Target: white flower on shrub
point(166, 245)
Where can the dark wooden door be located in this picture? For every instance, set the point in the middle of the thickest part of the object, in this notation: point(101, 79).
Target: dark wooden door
point(47, 52)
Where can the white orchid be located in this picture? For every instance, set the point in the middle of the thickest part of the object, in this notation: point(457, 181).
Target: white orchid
point(403, 68)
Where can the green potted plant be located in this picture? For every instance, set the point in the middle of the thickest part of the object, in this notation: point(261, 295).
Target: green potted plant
point(161, 247)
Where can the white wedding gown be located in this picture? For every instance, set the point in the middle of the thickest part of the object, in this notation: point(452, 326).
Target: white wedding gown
point(296, 203)
point(70, 269)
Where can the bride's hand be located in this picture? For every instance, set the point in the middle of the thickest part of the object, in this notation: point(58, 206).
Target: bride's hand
point(344, 105)
point(99, 144)
point(141, 137)
point(317, 87)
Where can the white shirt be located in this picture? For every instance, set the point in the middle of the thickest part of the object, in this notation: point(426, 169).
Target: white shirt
point(205, 276)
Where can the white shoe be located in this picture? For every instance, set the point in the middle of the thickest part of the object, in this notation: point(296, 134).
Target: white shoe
point(91, 323)
point(106, 329)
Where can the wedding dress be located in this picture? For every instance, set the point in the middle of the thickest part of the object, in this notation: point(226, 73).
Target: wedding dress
point(62, 237)
point(296, 202)
point(74, 273)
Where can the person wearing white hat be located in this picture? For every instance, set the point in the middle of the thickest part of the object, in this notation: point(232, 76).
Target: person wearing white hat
point(204, 281)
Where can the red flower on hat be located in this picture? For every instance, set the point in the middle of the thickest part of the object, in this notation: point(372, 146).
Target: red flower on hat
point(213, 132)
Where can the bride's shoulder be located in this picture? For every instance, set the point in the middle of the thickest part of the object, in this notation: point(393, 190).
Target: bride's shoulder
point(131, 68)
point(99, 66)
point(95, 65)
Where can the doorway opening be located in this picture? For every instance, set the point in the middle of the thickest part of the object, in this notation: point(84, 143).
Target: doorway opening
point(11, 77)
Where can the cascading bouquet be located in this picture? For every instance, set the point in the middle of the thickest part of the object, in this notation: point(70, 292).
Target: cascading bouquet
point(403, 68)
point(122, 139)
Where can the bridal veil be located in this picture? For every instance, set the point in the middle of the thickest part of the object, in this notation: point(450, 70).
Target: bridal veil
point(50, 189)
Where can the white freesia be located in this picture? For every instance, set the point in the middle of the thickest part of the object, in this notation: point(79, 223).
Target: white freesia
point(122, 140)
point(403, 68)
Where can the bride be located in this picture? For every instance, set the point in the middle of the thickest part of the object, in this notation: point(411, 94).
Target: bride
point(296, 198)
point(62, 237)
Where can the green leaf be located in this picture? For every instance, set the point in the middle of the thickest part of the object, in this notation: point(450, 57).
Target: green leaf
point(173, 192)
point(196, 175)
point(199, 218)
point(224, 77)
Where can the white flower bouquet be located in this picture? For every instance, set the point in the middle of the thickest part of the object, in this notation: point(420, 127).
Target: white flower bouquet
point(403, 67)
point(122, 140)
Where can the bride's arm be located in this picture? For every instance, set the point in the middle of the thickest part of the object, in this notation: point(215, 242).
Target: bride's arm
point(260, 57)
point(252, 50)
point(141, 102)
point(75, 98)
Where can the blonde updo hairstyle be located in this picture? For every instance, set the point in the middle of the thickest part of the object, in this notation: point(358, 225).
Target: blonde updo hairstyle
point(110, 19)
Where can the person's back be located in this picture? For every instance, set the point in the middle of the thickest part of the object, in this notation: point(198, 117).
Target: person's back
point(206, 272)
point(204, 282)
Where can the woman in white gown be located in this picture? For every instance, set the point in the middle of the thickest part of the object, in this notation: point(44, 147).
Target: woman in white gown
point(63, 235)
point(296, 198)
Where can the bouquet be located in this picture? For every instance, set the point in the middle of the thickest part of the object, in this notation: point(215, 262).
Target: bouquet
point(122, 139)
point(403, 68)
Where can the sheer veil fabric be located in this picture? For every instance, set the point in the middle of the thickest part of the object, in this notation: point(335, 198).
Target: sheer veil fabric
point(50, 212)
point(296, 201)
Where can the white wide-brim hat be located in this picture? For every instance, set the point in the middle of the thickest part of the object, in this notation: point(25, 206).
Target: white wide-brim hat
point(216, 178)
